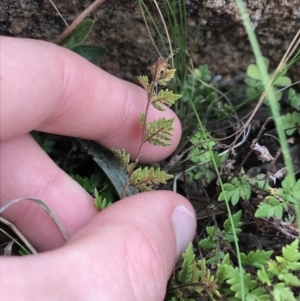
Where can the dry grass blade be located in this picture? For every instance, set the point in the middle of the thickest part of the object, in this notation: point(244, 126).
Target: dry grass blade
point(59, 13)
point(166, 30)
point(8, 249)
point(292, 48)
point(19, 234)
point(44, 206)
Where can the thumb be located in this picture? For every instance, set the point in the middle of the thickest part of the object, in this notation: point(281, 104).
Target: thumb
point(138, 240)
point(126, 252)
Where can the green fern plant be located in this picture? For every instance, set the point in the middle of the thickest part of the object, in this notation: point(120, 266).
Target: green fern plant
point(274, 278)
point(76, 38)
point(264, 277)
point(89, 184)
point(279, 199)
point(101, 202)
point(157, 132)
point(276, 200)
point(237, 188)
point(283, 267)
point(197, 88)
point(229, 282)
point(226, 235)
point(201, 157)
point(103, 198)
point(192, 279)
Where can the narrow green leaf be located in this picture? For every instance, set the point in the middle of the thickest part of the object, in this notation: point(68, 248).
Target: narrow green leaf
point(110, 165)
point(90, 52)
point(100, 202)
point(79, 34)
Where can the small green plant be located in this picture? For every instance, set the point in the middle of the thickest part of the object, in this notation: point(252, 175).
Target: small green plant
point(198, 90)
point(264, 278)
point(254, 81)
point(100, 201)
point(104, 197)
point(294, 99)
point(237, 188)
point(283, 268)
point(157, 132)
point(192, 279)
point(229, 282)
point(44, 141)
point(89, 184)
point(290, 122)
point(279, 199)
point(226, 235)
point(201, 157)
point(276, 200)
point(76, 38)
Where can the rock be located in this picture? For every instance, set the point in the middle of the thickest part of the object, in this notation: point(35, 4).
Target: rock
point(221, 42)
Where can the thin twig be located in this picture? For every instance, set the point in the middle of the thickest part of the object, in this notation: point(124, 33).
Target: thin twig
point(254, 141)
point(78, 20)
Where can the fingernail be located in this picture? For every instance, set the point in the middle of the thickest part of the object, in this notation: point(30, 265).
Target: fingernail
point(184, 226)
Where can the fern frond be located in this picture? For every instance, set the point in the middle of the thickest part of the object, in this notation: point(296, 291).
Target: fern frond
point(165, 97)
point(100, 202)
point(144, 81)
point(169, 75)
point(185, 275)
point(143, 178)
point(158, 132)
point(124, 158)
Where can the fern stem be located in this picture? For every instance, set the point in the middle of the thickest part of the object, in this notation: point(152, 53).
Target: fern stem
point(142, 142)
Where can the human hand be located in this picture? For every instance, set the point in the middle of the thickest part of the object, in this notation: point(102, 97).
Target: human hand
point(127, 251)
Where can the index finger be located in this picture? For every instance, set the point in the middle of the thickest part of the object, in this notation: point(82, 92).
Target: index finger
point(49, 88)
